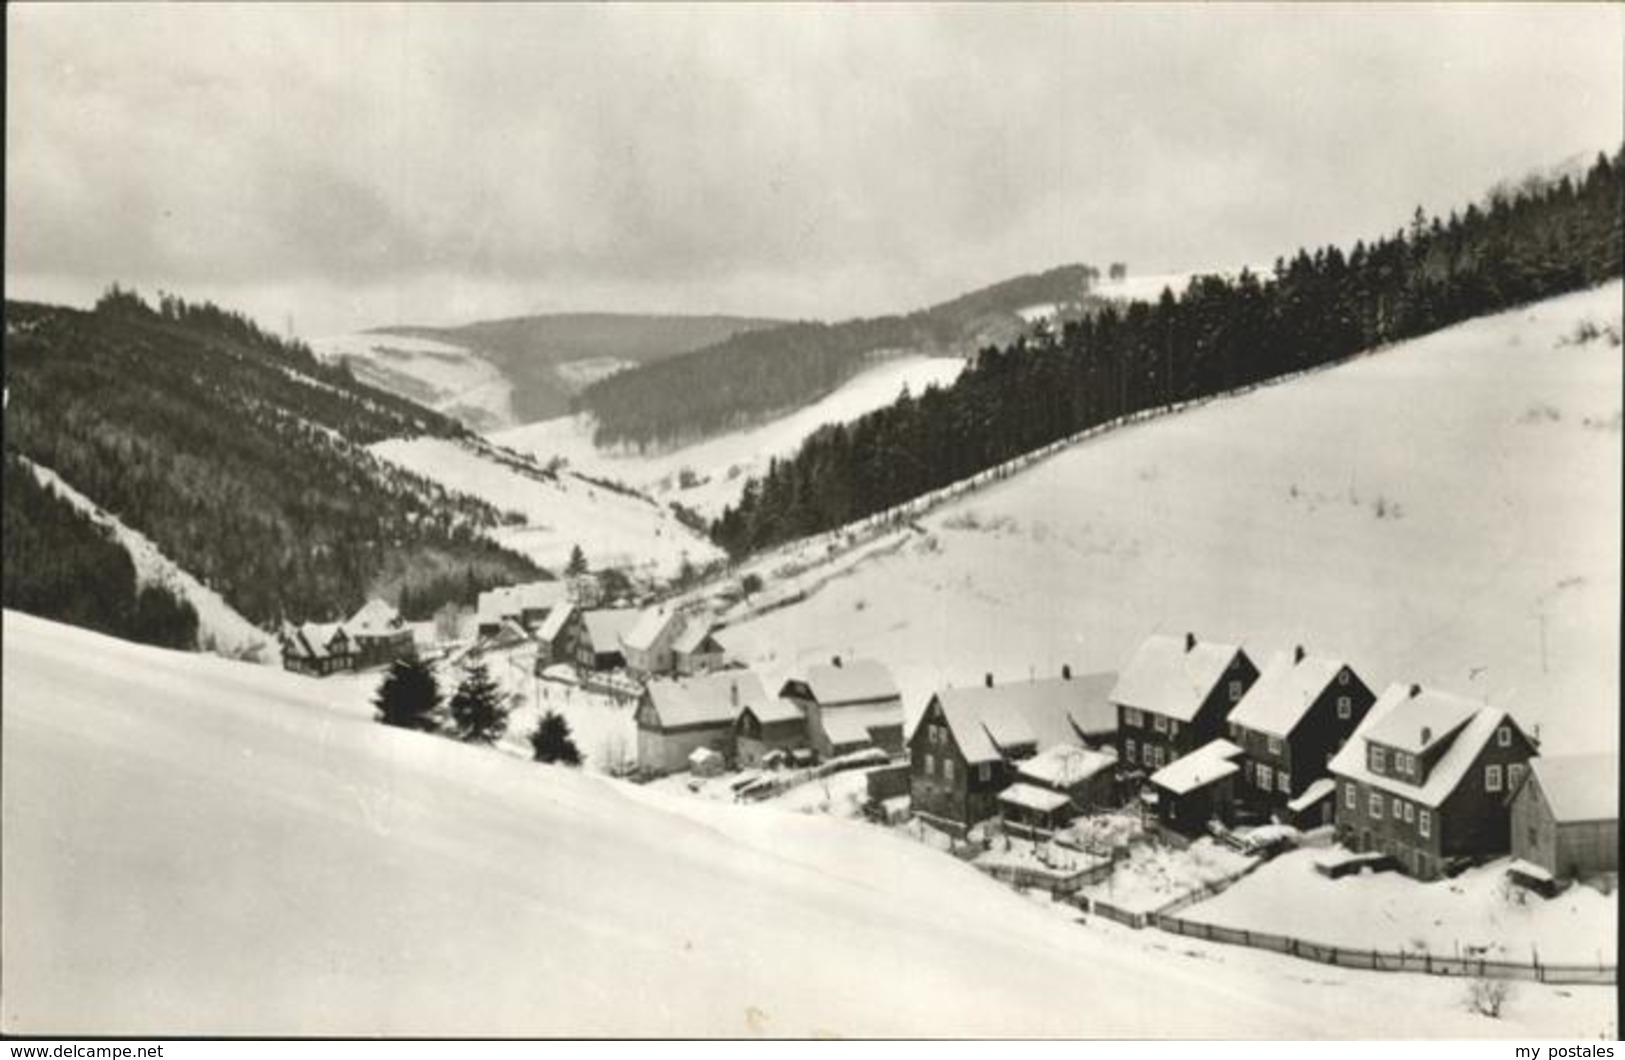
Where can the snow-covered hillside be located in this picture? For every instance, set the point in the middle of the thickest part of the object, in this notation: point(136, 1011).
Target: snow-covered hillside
point(1444, 511)
point(449, 379)
point(195, 846)
point(219, 626)
point(719, 466)
point(561, 511)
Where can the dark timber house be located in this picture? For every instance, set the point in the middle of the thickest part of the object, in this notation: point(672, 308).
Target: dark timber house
point(1174, 697)
point(1427, 778)
point(849, 707)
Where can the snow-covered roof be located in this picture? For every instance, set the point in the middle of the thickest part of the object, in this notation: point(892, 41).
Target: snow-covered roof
point(1208, 763)
point(701, 755)
point(1064, 765)
point(1285, 690)
point(553, 624)
point(707, 699)
point(775, 709)
point(494, 604)
point(1390, 714)
point(1579, 787)
point(650, 626)
point(1317, 790)
point(311, 640)
point(605, 626)
point(857, 724)
point(1029, 797)
point(1430, 717)
point(1173, 676)
point(376, 618)
point(855, 681)
point(988, 721)
point(540, 596)
point(692, 636)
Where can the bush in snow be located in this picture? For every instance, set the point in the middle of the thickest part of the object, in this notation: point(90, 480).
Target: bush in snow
point(1487, 996)
point(551, 741)
point(478, 714)
point(409, 697)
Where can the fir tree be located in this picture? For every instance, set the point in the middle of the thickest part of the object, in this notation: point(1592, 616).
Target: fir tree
point(551, 741)
point(478, 714)
point(578, 561)
point(409, 696)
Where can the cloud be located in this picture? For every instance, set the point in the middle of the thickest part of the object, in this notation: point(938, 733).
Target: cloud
point(345, 160)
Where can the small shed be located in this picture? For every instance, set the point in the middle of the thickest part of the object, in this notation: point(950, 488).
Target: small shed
point(1087, 778)
point(1565, 815)
point(1315, 807)
point(1035, 807)
point(1195, 789)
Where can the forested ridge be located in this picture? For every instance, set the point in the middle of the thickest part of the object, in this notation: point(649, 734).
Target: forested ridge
point(239, 455)
point(756, 373)
point(1542, 239)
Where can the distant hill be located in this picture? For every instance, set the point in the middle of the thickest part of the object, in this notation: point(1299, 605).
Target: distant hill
point(499, 373)
point(240, 456)
point(751, 375)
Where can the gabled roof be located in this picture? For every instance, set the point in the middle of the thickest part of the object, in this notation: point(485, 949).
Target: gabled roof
point(1579, 787)
point(988, 722)
point(851, 725)
point(1064, 765)
point(773, 709)
point(311, 640)
point(696, 628)
point(1029, 797)
point(650, 626)
point(1173, 676)
point(1437, 715)
point(856, 681)
point(1391, 714)
point(553, 624)
point(1213, 761)
point(1285, 690)
point(605, 626)
point(496, 603)
point(375, 619)
point(708, 699)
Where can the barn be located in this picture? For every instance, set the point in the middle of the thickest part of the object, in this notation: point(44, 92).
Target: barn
point(676, 717)
point(1565, 815)
point(771, 725)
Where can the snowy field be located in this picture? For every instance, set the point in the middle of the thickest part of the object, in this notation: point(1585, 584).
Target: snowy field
point(1154, 874)
point(613, 529)
point(200, 846)
point(447, 378)
point(1474, 913)
point(1445, 511)
point(726, 461)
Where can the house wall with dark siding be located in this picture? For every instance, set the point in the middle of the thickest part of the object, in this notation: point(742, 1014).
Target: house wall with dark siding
point(970, 795)
point(1306, 751)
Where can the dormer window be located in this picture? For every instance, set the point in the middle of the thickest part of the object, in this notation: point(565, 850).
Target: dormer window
point(1378, 759)
point(1503, 737)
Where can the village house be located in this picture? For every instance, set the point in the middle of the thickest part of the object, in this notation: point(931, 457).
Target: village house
point(528, 604)
point(696, 650)
point(1196, 788)
point(318, 648)
point(553, 642)
point(1565, 817)
point(761, 728)
point(648, 644)
point(379, 635)
point(1427, 779)
point(848, 707)
point(1174, 698)
point(968, 743)
point(678, 716)
point(595, 637)
point(1299, 712)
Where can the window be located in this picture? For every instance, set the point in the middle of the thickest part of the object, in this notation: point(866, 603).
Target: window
point(1235, 733)
point(1342, 677)
point(1350, 797)
point(1379, 761)
point(1159, 723)
point(1275, 745)
point(948, 769)
point(1173, 727)
point(1145, 754)
point(1503, 737)
point(1131, 717)
point(1424, 822)
point(930, 765)
point(1534, 836)
point(1159, 757)
point(1492, 778)
point(1235, 691)
point(1345, 707)
point(1129, 748)
point(984, 772)
point(1402, 763)
point(1399, 810)
point(1283, 781)
point(1247, 770)
point(1410, 813)
point(1374, 807)
point(1514, 775)
point(1265, 775)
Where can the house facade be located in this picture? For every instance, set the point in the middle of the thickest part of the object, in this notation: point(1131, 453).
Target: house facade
point(317, 648)
point(676, 717)
point(1427, 778)
point(595, 638)
point(1174, 697)
point(774, 725)
point(1565, 815)
point(380, 635)
point(849, 706)
point(696, 649)
point(647, 645)
point(1302, 709)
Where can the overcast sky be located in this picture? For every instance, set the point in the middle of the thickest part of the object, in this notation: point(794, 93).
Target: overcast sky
point(361, 165)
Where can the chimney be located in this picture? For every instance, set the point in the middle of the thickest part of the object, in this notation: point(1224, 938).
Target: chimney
point(1066, 672)
point(835, 661)
point(1416, 690)
point(988, 680)
point(1427, 734)
point(733, 693)
point(1190, 641)
point(1297, 654)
